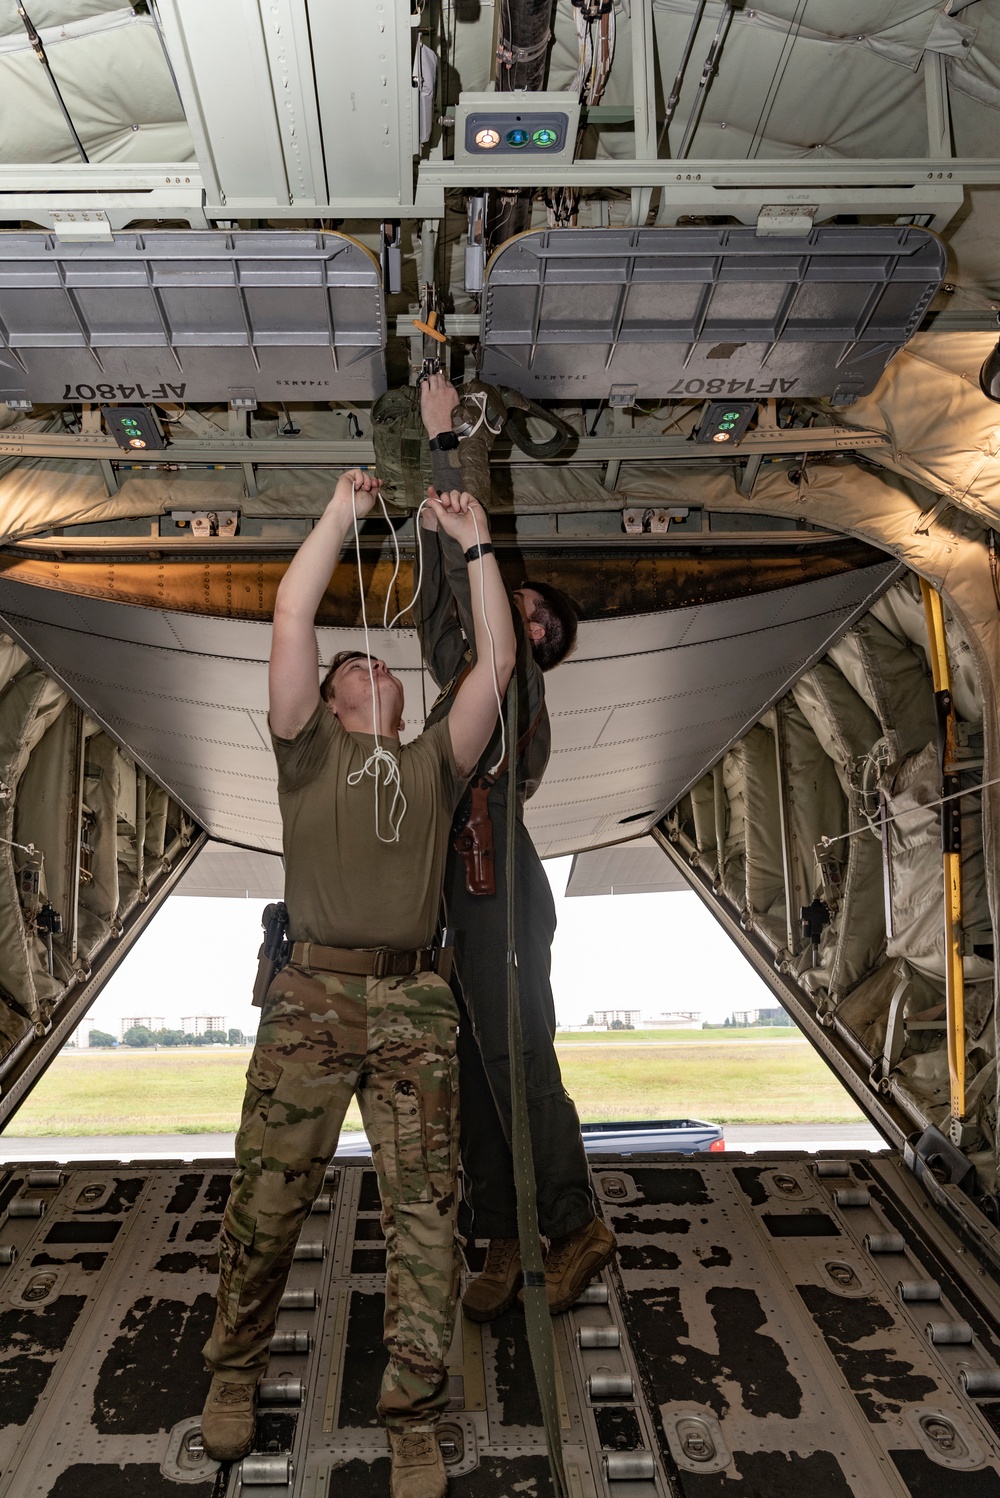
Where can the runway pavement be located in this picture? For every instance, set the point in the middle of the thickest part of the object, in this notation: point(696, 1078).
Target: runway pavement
point(207, 1146)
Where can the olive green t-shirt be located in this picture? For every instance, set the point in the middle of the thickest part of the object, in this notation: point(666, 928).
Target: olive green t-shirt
point(343, 887)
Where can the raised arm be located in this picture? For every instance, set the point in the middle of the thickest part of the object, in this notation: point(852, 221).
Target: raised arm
point(442, 642)
point(293, 672)
point(473, 715)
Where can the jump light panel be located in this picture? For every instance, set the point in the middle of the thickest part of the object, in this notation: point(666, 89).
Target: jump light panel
point(516, 125)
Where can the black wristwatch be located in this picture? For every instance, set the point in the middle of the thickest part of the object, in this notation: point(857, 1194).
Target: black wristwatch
point(444, 442)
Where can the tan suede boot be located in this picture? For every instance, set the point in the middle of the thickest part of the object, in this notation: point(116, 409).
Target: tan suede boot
point(492, 1291)
point(572, 1262)
point(227, 1421)
point(417, 1465)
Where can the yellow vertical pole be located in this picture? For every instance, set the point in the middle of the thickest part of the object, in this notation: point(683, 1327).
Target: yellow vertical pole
point(951, 843)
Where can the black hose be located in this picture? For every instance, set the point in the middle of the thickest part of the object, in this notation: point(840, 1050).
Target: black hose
point(517, 426)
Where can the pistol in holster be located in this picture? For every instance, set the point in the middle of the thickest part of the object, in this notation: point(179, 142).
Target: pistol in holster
point(275, 949)
point(474, 840)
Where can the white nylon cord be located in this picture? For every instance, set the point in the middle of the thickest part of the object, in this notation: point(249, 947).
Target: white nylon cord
point(380, 763)
point(390, 623)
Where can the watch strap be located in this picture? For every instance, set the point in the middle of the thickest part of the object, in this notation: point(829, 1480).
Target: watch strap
point(481, 549)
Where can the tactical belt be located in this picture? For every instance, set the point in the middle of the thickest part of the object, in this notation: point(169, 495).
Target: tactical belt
point(377, 963)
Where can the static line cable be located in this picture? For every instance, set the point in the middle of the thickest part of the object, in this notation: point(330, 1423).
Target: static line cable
point(389, 623)
point(673, 98)
point(910, 811)
point(708, 71)
point(790, 38)
point(28, 848)
point(39, 51)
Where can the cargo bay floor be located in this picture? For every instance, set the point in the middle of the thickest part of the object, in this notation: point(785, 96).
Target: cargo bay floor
point(774, 1325)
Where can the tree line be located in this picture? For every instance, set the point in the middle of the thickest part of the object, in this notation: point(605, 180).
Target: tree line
point(141, 1036)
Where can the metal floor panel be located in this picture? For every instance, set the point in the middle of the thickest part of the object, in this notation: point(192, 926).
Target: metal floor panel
point(753, 1343)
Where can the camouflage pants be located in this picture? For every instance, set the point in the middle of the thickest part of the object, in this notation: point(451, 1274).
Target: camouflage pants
point(323, 1038)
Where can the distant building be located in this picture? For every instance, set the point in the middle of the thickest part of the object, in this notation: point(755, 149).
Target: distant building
point(200, 1024)
point(81, 1034)
point(607, 1017)
point(744, 1018)
point(146, 1022)
point(674, 1019)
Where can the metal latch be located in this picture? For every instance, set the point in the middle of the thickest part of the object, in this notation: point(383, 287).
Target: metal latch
point(652, 522)
point(208, 523)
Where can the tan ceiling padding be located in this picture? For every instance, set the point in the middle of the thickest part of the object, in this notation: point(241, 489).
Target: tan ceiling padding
point(29, 704)
point(841, 720)
point(47, 810)
point(53, 13)
point(942, 430)
point(893, 680)
point(754, 757)
point(12, 658)
point(917, 869)
point(901, 610)
point(116, 86)
point(101, 774)
point(814, 800)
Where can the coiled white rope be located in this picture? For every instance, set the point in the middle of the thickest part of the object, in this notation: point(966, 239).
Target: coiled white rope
point(380, 763)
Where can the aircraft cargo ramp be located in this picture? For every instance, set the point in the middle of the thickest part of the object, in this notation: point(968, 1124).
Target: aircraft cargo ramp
point(775, 1325)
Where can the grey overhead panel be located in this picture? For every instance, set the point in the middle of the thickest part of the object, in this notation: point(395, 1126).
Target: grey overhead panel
point(636, 868)
point(194, 315)
point(646, 705)
point(717, 312)
point(226, 873)
point(185, 694)
point(639, 712)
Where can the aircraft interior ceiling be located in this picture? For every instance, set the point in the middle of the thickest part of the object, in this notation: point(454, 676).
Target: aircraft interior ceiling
point(227, 230)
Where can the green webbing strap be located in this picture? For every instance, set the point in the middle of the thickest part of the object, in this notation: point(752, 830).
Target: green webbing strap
point(536, 1305)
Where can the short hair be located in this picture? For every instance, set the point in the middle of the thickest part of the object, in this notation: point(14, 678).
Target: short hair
point(558, 615)
point(340, 659)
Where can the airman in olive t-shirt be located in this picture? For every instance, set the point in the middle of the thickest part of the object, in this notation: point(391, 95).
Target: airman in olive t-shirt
point(359, 1010)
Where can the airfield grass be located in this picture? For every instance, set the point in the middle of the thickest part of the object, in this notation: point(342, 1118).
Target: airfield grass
point(753, 1077)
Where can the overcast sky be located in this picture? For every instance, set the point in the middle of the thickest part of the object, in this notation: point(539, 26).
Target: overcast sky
point(651, 952)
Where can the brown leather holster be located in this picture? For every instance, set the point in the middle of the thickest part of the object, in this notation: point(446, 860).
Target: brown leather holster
point(474, 840)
